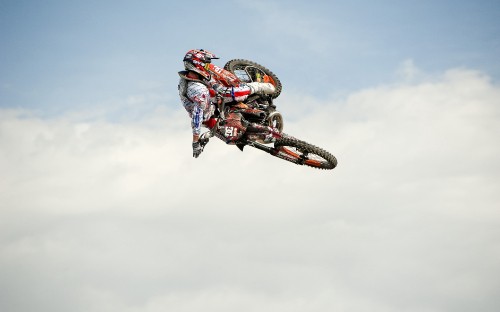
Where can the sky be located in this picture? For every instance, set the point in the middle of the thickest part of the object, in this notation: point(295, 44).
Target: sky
point(103, 208)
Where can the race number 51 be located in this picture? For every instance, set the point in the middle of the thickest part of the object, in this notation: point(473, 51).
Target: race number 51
point(231, 131)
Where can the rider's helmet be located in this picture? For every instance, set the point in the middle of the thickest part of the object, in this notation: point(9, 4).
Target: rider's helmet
point(198, 60)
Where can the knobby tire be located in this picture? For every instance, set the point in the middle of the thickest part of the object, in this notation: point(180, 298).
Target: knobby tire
point(303, 153)
point(238, 64)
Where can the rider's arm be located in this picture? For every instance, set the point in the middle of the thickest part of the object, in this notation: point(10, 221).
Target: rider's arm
point(196, 120)
point(199, 96)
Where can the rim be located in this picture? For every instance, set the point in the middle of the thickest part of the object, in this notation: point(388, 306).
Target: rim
point(310, 159)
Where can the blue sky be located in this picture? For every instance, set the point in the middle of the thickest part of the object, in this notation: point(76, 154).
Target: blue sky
point(62, 54)
point(102, 207)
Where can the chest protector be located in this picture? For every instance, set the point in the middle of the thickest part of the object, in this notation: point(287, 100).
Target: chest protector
point(183, 82)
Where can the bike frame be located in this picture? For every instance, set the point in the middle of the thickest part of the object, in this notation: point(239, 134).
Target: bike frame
point(226, 77)
point(221, 130)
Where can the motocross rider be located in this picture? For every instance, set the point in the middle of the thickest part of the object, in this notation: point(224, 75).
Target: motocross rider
point(200, 92)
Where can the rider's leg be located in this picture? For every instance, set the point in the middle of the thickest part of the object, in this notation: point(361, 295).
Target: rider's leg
point(239, 94)
point(261, 87)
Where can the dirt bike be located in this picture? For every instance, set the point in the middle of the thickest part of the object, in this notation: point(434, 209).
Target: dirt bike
point(256, 122)
point(240, 71)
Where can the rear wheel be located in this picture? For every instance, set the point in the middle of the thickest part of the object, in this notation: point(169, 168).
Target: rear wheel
point(248, 71)
point(303, 153)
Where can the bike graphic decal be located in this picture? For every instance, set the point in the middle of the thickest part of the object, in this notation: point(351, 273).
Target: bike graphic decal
point(231, 131)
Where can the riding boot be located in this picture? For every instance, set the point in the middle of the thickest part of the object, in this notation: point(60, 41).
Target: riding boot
point(261, 87)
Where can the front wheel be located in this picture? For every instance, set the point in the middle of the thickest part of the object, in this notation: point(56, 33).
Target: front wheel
point(303, 153)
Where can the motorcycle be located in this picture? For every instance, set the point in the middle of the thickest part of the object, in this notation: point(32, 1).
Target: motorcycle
point(256, 122)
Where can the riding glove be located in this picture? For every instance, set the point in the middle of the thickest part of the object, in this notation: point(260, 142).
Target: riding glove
point(197, 149)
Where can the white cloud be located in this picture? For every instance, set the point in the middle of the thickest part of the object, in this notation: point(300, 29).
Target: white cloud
point(101, 216)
